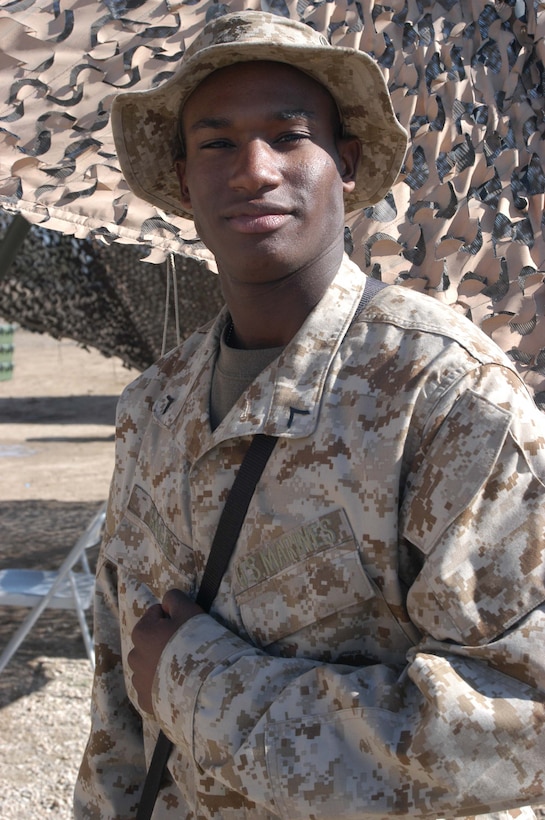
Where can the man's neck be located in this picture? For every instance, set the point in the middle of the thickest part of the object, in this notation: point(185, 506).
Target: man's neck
point(269, 314)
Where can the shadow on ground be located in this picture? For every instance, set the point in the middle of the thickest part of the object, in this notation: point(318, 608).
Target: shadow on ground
point(58, 410)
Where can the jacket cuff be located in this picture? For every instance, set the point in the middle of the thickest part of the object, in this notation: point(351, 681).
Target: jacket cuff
point(194, 652)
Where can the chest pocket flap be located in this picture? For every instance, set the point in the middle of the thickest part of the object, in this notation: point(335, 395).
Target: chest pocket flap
point(146, 548)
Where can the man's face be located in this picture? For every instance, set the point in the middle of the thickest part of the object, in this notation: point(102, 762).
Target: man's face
point(265, 170)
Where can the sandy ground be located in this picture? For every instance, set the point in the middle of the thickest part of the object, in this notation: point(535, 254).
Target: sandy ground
point(56, 458)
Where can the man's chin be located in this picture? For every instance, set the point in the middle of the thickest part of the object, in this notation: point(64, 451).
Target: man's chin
point(260, 268)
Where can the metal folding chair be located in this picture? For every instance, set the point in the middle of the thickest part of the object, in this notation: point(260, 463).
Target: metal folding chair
point(64, 588)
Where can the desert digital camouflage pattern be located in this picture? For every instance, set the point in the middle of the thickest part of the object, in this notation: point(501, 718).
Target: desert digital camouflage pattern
point(464, 222)
point(376, 646)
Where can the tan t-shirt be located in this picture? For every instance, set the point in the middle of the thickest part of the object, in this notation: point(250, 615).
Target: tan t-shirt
point(235, 369)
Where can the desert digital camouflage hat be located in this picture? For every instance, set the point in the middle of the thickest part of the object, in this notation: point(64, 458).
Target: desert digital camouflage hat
point(144, 122)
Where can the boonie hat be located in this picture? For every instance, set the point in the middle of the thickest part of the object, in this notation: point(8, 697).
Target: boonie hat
point(144, 122)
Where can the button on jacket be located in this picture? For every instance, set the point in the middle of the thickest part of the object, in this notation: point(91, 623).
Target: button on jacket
point(377, 644)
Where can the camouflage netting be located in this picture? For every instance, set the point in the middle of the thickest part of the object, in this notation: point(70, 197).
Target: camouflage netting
point(465, 221)
point(105, 297)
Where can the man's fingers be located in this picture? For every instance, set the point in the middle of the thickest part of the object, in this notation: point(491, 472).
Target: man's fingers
point(149, 618)
point(154, 612)
point(173, 600)
point(178, 607)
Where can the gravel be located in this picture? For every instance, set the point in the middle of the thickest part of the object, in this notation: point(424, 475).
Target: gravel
point(44, 722)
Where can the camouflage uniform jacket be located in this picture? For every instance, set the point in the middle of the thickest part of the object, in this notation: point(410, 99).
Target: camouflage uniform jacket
point(377, 644)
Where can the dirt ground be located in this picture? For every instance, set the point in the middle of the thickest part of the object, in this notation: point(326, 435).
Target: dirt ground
point(56, 458)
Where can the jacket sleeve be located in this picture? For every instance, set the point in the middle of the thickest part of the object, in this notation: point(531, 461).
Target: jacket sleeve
point(460, 729)
point(113, 766)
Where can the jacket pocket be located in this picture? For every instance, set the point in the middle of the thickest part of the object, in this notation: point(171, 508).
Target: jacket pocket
point(145, 547)
point(322, 604)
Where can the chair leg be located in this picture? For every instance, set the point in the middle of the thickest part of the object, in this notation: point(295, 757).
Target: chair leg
point(18, 637)
point(87, 639)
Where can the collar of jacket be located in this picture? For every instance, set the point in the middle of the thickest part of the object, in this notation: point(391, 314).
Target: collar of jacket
point(285, 398)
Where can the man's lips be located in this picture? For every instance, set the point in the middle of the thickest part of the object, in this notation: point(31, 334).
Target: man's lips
point(257, 219)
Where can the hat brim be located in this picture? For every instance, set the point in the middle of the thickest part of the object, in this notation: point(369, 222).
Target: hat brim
point(144, 122)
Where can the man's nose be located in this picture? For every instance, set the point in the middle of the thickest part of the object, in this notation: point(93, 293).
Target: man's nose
point(256, 167)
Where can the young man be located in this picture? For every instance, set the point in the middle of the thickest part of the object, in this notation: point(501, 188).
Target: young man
point(376, 644)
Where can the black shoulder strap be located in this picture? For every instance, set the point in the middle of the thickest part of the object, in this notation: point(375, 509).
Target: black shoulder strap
point(372, 287)
point(226, 536)
point(233, 515)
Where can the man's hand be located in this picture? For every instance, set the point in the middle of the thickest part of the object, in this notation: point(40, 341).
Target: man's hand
point(150, 636)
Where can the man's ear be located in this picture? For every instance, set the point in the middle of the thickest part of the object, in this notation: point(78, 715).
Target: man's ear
point(185, 197)
point(349, 149)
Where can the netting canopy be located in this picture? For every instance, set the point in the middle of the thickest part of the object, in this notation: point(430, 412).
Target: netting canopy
point(104, 297)
point(465, 220)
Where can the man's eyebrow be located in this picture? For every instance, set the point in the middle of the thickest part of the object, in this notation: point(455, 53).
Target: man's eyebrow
point(210, 122)
point(282, 116)
point(295, 114)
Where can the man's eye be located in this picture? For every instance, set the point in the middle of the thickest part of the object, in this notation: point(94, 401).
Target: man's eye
point(294, 136)
point(219, 143)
